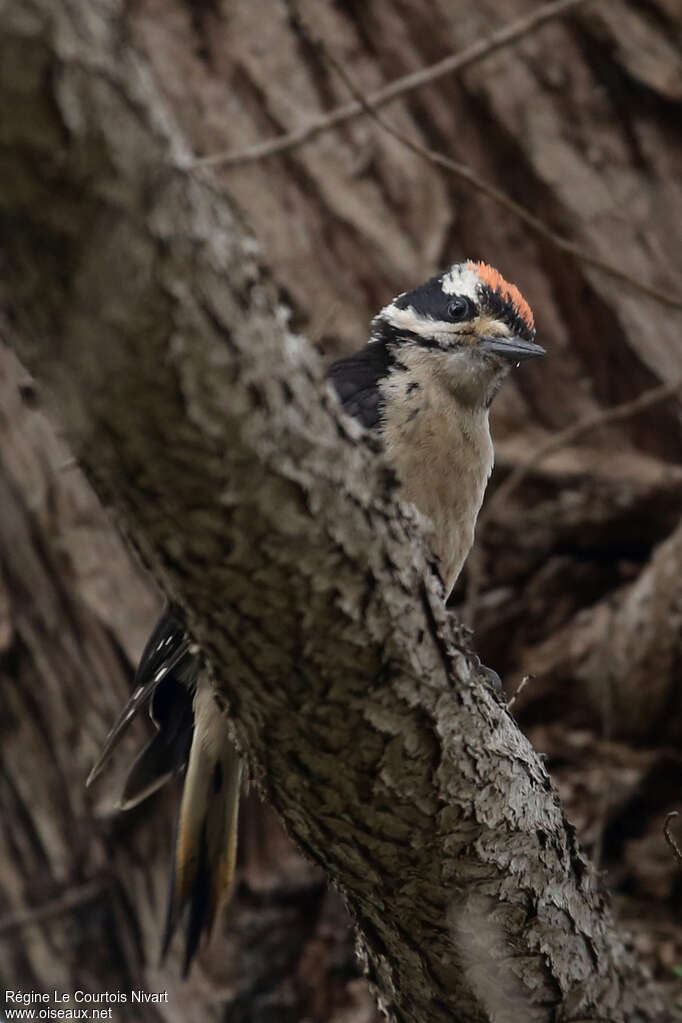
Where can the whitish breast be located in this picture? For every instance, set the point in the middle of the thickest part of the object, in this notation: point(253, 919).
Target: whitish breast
point(442, 454)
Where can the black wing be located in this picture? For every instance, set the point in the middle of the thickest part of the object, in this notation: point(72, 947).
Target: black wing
point(169, 665)
point(165, 647)
point(168, 751)
point(357, 379)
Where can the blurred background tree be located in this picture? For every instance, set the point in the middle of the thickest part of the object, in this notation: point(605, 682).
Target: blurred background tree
point(577, 578)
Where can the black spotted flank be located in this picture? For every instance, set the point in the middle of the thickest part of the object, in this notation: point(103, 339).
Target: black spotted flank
point(495, 304)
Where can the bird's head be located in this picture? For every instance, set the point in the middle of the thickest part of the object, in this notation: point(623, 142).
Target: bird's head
point(467, 324)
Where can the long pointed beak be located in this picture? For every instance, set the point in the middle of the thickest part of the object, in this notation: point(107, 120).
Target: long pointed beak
point(513, 348)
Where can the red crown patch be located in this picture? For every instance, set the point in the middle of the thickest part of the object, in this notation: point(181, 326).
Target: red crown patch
point(494, 280)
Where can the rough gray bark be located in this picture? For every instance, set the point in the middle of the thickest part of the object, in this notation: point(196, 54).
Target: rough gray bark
point(82, 887)
point(133, 291)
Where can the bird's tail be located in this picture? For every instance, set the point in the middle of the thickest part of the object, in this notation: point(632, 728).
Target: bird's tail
point(191, 738)
point(206, 836)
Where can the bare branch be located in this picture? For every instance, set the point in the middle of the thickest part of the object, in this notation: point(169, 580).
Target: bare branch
point(519, 689)
point(400, 87)
point(563, 438)
point(70, 899)
point(465, 173)
point(603, 417)
point(670, 838)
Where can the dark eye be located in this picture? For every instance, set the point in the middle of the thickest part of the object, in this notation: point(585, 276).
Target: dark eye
point(459, 309)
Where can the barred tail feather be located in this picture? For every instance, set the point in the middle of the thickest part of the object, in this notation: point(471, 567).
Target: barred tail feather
point(206, 837)
point(191, 736)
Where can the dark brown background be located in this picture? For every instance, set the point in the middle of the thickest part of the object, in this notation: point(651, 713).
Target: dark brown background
point(580, 579)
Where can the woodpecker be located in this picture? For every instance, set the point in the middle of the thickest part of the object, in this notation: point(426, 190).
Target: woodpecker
point(424, 382)
point(435, 360)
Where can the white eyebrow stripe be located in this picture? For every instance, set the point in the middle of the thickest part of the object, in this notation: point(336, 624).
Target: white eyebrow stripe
point(409, 319)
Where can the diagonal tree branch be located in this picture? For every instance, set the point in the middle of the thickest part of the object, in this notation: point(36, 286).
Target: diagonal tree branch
point(669, 837)
point(70, 899)
point(465, 173)
point(602, 417)
point(557, 441)
point(395, 90)
point(137, 300)
point(372, 103)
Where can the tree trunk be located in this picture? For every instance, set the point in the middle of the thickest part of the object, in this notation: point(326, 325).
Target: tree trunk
point(134, 293)
point(83, 887)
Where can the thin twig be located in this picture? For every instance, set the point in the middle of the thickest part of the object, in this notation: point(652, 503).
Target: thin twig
point(465, 173)
point(604, 800)
point(602, 417)
point(400, 87)
point(71, 899)
point(670, 838)
point(554, 443)
point(519, 689)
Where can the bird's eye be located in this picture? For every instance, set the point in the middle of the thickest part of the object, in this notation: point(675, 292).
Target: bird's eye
point(459, 309)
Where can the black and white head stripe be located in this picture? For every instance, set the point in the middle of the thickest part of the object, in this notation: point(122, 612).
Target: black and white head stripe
point(465, 308)
point(457, 296)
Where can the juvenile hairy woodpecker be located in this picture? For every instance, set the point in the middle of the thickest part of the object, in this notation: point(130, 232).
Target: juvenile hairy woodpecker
point(424, 382)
